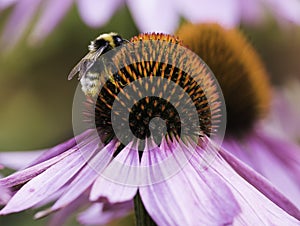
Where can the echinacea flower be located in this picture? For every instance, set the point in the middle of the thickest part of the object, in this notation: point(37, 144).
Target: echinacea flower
point(174, 169)
point(247, 94)
point(228, 13)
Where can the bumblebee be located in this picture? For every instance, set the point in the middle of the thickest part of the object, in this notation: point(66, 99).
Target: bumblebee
point(90, 79)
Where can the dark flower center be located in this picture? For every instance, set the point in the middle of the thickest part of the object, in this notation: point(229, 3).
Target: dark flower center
point(149, 108)
point(161, 82)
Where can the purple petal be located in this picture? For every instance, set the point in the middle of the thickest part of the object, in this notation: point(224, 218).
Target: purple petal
point(51, 198)
point(285, 150)
point(274, 157)
point(195, 198)
point(86, 176)
point(19, 19)
point(41, 165)
point(57, 150)
point(48, 182)
point(60, 217)
point(256, 208)
point(119, 181)
point(96, 13)
point(154, 15)
point(52, 12)
point(224, 12)
point(23, 176)
point(18, 159)
point(266, 191)
point(280, 162)
point(102, 213)
point(278, 175)
point(5, 195)
point(240, 150)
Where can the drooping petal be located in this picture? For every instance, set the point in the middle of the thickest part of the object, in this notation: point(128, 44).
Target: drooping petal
point(23, 176)
point(48, 182)
point(51, 157)
point(279, 161)
point(103, 213)
point(52, 13)
point(286, 151)
point(119, 181)
point(247, 183)
point(224, 12)
point(51, 198)
point(274, 157)
point(60, 148)
point(188, 197)
point(22, 159)
point(261, 192)
point(18, 21)
point(96, 13)
point(86, 176)
point(155, 15)
point(276, 172)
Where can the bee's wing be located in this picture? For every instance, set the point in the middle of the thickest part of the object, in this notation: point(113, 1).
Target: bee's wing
point(80, 66)
point(86, 62)
point(74, 71)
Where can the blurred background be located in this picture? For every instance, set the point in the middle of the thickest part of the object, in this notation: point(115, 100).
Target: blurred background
point(36, 97)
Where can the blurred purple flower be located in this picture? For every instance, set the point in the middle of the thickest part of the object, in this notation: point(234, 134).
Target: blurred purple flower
point(239, 71)
point(95, 13)
point(274, 157)
point(272, 147)
point(215, 194)
point(284, 119)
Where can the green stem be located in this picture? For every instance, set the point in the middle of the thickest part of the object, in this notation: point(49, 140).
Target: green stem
point(142, 217)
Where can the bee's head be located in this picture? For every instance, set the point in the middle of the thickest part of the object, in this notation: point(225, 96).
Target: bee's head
point(118, 40)
point(107, 42)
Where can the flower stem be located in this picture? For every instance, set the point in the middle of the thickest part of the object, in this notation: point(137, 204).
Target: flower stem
point(142, 218)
